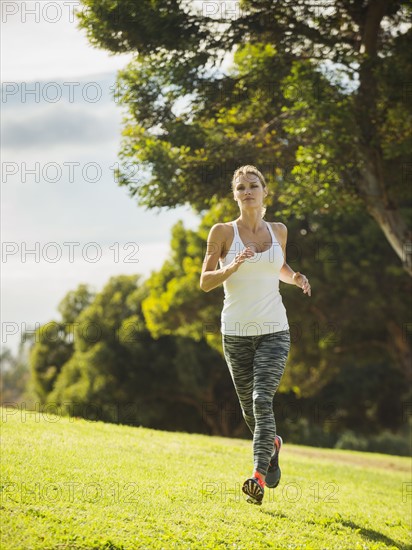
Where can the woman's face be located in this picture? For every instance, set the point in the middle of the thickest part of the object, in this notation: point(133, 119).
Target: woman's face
point(248, 191)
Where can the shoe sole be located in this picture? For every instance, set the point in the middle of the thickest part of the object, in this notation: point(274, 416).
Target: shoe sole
point(253, 491)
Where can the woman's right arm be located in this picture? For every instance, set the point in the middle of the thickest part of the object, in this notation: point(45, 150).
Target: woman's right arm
point(211, 277)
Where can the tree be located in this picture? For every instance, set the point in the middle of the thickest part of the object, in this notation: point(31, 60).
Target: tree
point(54, 341)
point(109, 366)
point(74, 303)
point(175, 305)
point(316, 96)
point(97, 372)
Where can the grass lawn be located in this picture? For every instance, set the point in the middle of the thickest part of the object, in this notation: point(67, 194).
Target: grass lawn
point(73, 484)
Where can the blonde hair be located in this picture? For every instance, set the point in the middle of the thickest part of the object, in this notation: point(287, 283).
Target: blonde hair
point(249, 169)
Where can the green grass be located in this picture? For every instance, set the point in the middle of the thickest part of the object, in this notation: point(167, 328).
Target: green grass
point(70, 483)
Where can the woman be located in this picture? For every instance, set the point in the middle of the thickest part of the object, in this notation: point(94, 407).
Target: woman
point(254, 325)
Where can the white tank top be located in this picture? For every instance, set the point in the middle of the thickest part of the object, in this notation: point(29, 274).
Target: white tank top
point(253, 304)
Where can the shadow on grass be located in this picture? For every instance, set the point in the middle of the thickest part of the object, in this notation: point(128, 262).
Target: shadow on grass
point(369, 534)
point(372, 535)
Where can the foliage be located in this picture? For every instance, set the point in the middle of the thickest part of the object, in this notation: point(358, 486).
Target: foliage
point(74, 303)
point(313, 93)
point(51, 351)
point(386, 442)
point(111, 365)
point(175, 303)
point(54, 341)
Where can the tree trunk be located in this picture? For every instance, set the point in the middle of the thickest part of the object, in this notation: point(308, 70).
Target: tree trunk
point(372, 187)
point(403, 351)
point(384, 212)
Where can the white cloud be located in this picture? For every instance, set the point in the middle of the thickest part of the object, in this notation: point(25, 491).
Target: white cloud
point(58, 124)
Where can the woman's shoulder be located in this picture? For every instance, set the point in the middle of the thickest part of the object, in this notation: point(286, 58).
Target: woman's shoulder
point(222, 229)
point(222, 235)
point(281, 232)
point(221, 226)
point(279, 226)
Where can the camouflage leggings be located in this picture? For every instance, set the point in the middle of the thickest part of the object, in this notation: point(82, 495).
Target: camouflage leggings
point(256, 364)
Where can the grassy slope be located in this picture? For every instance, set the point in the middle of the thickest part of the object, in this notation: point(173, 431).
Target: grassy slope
point(69, 483)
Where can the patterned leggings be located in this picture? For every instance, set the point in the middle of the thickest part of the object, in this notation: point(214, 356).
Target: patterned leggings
point(256, 365)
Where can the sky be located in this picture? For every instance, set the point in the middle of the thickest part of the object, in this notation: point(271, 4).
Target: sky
point(64, 219)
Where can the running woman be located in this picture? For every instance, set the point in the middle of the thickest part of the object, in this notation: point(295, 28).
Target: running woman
point(254, 325)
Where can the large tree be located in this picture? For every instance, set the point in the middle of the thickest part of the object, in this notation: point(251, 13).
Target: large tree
point(316, 93)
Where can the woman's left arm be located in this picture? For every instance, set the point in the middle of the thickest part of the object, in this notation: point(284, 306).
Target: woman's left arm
point(287, 275)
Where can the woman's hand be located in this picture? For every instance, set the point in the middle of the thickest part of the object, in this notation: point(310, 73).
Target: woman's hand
point(240, 258)
point(302, 282)
point(211, 277)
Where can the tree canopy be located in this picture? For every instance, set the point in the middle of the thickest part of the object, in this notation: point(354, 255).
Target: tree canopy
point(313, 93)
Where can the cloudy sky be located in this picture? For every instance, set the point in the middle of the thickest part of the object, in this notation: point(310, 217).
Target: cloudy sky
point(64, 219)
